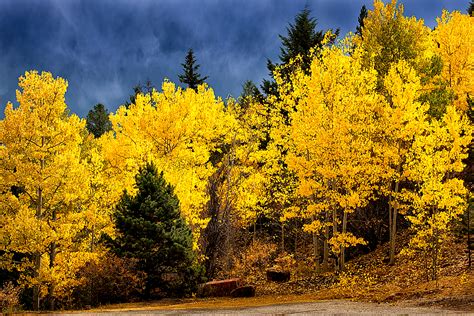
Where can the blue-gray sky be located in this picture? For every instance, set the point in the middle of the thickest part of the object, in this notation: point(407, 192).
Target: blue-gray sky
point(104, 48)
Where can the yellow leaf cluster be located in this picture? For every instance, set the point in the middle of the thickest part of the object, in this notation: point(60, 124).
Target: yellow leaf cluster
point(176, 129)
point(45, 206)
point(454, 39)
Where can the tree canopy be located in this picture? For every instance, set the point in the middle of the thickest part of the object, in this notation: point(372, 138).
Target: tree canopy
point(356, 140)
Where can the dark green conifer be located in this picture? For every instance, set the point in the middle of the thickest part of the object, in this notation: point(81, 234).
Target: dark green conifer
point(97, 120)
point(301, 37)
point(191, 77)
point(362, 15)
point(152, 231)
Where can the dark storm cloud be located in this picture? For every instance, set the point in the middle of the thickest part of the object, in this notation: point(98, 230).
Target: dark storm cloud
point(104, 48)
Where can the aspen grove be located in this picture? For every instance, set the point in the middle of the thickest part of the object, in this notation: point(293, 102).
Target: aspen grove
point(377, 118)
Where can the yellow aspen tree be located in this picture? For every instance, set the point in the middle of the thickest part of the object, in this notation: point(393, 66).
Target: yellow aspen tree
point(236, 188)
point(249, 133)
point(454, 39)
point(267, 186)
point(102, 195)
point(280, 188)
point(439, 198)
point(280, 155)
point(405, 118)
point(176, 129)
point(280, 182)
point(333, 129)
point(388, 37)
point(40, 157)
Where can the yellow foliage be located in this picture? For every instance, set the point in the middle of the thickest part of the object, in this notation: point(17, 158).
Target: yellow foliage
point(388, 37)
point(344, 132)
point(177, 130)
point(45, 184)
point(344, 240)
point(454, 38)
point(439, 199)
point(332, 135)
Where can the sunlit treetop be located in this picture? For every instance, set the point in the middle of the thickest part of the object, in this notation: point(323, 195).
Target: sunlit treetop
point(454, 39)
point(388, 36)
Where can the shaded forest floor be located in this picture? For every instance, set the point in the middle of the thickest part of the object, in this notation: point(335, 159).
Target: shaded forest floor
point(368, 278)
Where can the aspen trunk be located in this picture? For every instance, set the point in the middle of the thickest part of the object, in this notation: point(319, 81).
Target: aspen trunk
point(334, 231)
point(326, 246)
point(393, 227)
point(254, 236)
point(435, 250)
point(393, 211)
point(282, 236)
point(343, 254)
point(434, 261)
point(51, 287)
point(92, 238)
point(91, 283)
point(469, 233)
point(393, 235)
point(37, 256)
point(52, 257)
point(296, 241)
point(390, 223)
point(316, 251)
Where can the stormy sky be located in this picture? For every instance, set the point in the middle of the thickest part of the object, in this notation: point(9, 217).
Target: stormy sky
point(104, 48)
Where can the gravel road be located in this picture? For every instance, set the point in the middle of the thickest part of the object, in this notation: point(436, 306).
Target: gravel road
point(339, 307)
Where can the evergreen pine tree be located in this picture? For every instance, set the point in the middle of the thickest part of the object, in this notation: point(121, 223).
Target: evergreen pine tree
point(302, 36)
point(362, 15)
point(250, 93)
point(97, 120)
point(300, 39)
point(152, 232)
point(191, 77)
